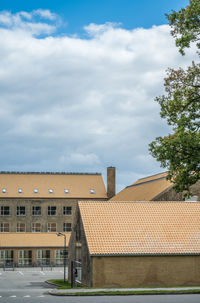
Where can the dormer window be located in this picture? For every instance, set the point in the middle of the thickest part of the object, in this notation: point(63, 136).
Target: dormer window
point(4, 191)
point(51, 191)
point(35, 191)
point(66, 191)
point(92, 191)
point(20, 191)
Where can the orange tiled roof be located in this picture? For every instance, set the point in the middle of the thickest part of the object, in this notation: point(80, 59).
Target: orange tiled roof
point(11, 240)
point(131, 228)
point(78, 185)
point(144, 189)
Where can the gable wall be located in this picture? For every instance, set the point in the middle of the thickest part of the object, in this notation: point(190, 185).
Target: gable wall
point(171, 195)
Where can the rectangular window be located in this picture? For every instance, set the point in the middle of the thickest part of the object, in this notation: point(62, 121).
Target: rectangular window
point(36, 227)
point(25, 257)
point(4, 227)
point(21, 210)
point(51, 227)
point(67, 210)
point(59, 256)
point(43, 257)
point(67, 227)
point(36, 211)
point(51, 210)
point(21, 227)
point(6, 257)
point(5, 211)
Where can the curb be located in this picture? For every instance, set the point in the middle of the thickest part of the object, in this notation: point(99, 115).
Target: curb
point(125, 294)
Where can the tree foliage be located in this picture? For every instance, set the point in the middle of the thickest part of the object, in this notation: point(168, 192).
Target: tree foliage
point(186, 25)
point(179, 152)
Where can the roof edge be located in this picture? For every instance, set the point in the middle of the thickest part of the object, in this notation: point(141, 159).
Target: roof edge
point(144, 254)
point(164, 172)
point(145, 182)
point(46, 173)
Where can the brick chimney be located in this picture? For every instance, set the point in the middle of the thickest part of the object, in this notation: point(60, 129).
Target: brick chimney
point(110, 181)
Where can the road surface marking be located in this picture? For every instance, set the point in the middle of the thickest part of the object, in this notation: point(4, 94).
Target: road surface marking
point(13, 296)
point(21, 273)
point(42, 273)
point(27, 296)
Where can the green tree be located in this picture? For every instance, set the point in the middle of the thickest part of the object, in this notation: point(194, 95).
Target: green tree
point(179, 151)
point(186, 25)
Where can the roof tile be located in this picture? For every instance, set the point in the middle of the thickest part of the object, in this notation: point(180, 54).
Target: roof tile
point(141, 227)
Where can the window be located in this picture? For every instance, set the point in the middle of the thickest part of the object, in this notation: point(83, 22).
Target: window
point(92, 191)
point(67, 210)
point(51, 227)
point(35, 191)
point(51, 210)
point(4, 191)
point(4, 227)
point(36, 227)
point(67, 227)
point(5, 211)
point(43, 257)
point(66, 191)
point(21, 227)
point(59, 255)
point(25, 257)
point(36, 211)
point(21, 210)
point(51, 191)
point(20, 191)
point(6, 256)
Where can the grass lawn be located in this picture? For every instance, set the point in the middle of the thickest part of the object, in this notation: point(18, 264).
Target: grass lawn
point(60, 283)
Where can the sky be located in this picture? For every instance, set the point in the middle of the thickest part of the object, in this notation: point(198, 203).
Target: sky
point(78, 81)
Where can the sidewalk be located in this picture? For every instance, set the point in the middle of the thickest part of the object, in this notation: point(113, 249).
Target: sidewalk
point(79, 291)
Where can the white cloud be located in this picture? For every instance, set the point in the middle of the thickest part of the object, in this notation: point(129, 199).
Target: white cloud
point(45, 13)
point(26, 21)
point(75, 104)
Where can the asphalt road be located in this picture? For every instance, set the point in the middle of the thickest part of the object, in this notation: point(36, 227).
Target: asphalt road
point(28, 285)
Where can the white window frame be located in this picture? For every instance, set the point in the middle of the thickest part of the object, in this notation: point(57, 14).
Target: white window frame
point(19, 210)
point(50, 227)
point(36, 212)
point(2, 210)
point(65, 210)
point(49, 210)
point(2, 227)
point(67, 229)
point(34, 227)
point(22, 259)
point(18, 229)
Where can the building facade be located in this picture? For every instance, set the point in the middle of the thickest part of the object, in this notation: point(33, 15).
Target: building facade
point(34, 205)
point(31, 249)
point(44, 202)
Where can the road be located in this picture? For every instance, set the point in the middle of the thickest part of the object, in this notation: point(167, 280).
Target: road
point(28, 285)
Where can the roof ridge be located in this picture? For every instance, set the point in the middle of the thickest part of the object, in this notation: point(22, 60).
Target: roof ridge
point(148, 181)
point(152, 175)
point(47, 173)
